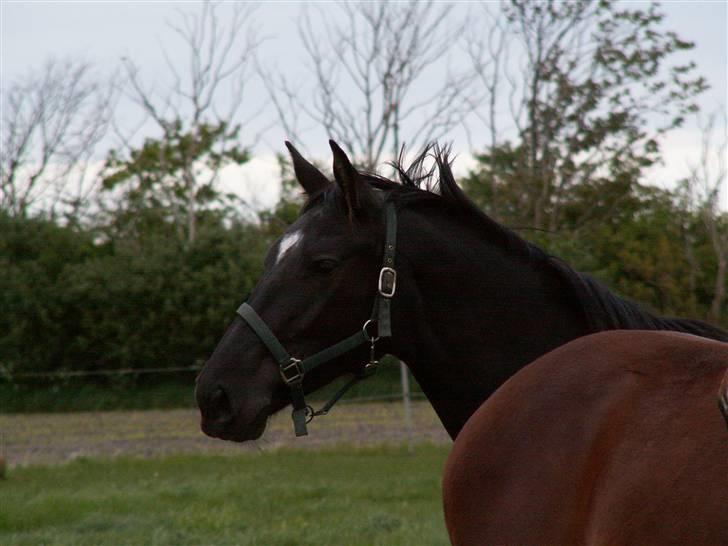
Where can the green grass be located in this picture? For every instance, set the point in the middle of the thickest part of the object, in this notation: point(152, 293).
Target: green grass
point(342, 496)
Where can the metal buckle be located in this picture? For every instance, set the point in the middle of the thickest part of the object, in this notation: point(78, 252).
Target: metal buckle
point(296, 376)
point(387, 282)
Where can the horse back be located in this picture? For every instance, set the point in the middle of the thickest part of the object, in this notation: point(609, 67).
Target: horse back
point(723, 397)
point(614, 438)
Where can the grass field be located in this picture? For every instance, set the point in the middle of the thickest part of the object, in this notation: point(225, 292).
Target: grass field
point(341, 496)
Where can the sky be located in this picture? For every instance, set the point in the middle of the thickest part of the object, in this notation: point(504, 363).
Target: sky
point(103, 32)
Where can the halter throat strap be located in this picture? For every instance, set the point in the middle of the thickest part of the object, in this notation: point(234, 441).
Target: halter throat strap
point(293, 370)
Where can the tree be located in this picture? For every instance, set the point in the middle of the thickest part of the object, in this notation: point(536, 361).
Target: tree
point(572, 130)
point(52, 121)
point(366, 75)
point(172, 180)
point(597, 88)
point(701, 193)
point(176, 175)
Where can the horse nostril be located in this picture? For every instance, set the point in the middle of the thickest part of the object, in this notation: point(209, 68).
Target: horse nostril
point(219, 408)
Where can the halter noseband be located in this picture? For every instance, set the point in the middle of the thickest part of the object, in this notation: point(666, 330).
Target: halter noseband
point(293, 370)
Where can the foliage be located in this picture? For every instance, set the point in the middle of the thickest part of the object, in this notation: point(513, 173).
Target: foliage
point(598, 86)
point(173, 179)
point(164, 391)
point(336, 496)
point(34, 254)
point(76, 305)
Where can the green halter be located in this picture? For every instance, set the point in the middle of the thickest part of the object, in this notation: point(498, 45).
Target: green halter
point(293, 369)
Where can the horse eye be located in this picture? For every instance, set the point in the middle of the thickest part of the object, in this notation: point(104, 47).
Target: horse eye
point(325, 265)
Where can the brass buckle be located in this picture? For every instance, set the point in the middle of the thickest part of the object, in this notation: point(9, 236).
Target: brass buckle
point(292, 372)
point(387, 282)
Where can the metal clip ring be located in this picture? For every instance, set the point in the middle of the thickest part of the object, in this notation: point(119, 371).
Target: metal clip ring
point(310, 413)
point(367, 336)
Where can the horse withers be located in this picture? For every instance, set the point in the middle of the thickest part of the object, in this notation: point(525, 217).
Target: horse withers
point(614, 438)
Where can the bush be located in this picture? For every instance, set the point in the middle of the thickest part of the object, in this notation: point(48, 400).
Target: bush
point(71, 304)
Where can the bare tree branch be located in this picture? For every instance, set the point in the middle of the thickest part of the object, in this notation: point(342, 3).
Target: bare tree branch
point(367, 69)
point(220, 57)
point(704, 187)
point(52, 121)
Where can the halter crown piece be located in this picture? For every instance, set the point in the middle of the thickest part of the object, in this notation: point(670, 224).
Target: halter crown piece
point(293, 370)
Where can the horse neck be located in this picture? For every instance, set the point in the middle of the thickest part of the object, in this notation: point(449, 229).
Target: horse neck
point(469, 313)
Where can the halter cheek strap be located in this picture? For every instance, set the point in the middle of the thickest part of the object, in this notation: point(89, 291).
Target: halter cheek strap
point(293, 370)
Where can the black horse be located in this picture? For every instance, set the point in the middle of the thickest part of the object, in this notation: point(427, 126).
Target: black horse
point(473, 302)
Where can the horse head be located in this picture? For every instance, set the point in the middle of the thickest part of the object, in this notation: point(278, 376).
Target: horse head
point(318, 287)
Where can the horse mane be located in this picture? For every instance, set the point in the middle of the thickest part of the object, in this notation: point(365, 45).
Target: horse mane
point(607, 311)
point(602, 309)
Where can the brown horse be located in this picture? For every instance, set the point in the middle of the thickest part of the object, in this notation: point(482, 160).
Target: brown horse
point(614, 438)
point(723, 401)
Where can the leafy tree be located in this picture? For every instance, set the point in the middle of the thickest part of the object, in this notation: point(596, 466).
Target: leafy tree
point(173, 179)
point(175, 176)
point(598, 86)
point(700, 196)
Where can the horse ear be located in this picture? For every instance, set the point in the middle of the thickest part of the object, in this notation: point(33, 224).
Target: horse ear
point(311, 179)
point(348, 178)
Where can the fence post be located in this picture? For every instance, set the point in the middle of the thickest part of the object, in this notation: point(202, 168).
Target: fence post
point(406, 399)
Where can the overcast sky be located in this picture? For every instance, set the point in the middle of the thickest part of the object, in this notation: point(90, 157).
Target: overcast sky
point(104, 32)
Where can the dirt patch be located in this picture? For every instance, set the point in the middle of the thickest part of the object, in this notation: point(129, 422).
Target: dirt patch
point(56, 438)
